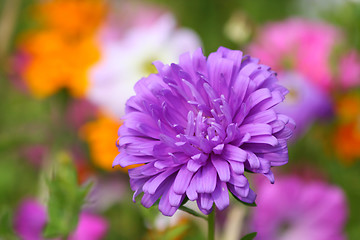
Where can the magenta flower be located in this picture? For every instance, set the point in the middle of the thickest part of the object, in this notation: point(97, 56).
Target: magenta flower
point(31, 218)
point(299, 45)
point(294, 209)
point(349, 70)
point(90, 227)
point(198, 125)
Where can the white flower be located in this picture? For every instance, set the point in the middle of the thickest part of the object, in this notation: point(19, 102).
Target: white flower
point(124, 61)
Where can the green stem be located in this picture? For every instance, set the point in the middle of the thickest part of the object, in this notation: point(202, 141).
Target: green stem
point(192, 212)
point(211, 225)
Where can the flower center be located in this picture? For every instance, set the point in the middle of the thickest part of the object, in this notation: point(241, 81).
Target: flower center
point(292, 97)
point(286, 225)
point(147, 66)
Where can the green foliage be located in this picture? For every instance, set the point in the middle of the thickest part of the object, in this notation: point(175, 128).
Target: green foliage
point(66, 198)
point(192, 212)
point(127, 220)
point(6, 230)
point(175, 232)
point(249, 236)
point(347, 17)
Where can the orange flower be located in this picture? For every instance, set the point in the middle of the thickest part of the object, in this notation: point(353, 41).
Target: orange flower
point(55, 63)
point(101, 136)
point(347, 135)
point(73, 17)
point(347, 142)
point(61, 54)
point(348, 107)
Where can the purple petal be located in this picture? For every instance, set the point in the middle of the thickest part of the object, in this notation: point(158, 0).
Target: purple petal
point(222, 168)
point(193, 166)
point(152, 185)
point(270, 140)
point(165, 206)
point(191, 190)
point(206, 201)
point(237, 167)
point(255, 129)
point(175, 199)
point(234, 153)
point(221, 195)
point(218, 149)
point(207, 179)
point(261, 117)
point(238, 180)
point(182, 180)
point(125, 160)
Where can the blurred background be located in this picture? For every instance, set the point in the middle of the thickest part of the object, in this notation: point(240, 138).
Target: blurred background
point(67, 68)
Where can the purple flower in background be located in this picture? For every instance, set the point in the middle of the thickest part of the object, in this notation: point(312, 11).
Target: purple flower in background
point(198, 125)
point(305, 102)
point(90, 227)
point(294, 210)
point(31, 218)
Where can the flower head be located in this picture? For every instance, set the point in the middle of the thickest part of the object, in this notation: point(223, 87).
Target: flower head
point(349, 70)
point(125, 60)
point(305, 102)
point(60, 53)
point(73, 17)
point(31, 218)
point(198, 125)
point(346, 138)
point(294, 209)
point(101, 143)
point(300, 45)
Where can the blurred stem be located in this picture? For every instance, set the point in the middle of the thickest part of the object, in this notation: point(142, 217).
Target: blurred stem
point(211, 225)
point(7, 24)
point(192, 212)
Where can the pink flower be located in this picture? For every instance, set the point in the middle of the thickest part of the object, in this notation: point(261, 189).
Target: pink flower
point(90, 227)
point(298, 45)
point(34, 153)
point(79, 112)
point(30, 220)
point(295, 209)
point(349, 70)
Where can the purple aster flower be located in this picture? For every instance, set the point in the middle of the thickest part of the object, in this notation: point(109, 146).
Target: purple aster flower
point(305, 102)
point(198, 125)
point(295, 209)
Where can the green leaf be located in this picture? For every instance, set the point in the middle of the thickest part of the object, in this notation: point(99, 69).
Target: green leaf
point(249, 236)
point(6, 229)
point(192, 212)
point(66, 198)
